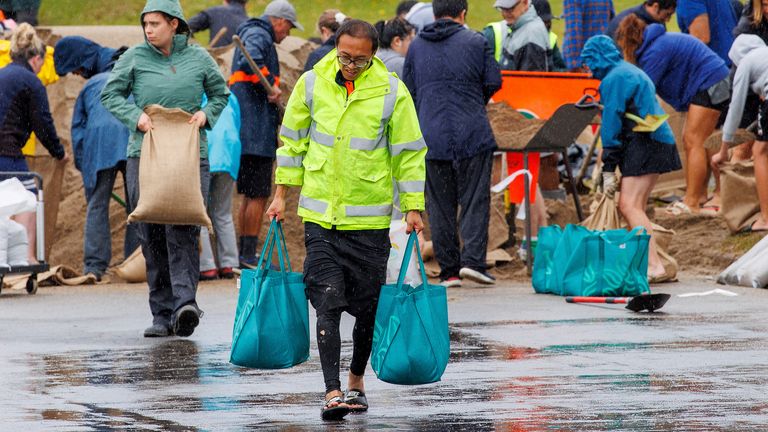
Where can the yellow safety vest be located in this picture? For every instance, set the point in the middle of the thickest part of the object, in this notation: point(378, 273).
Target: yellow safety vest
point(552, 40)
point(500, 31)
point(345, 151)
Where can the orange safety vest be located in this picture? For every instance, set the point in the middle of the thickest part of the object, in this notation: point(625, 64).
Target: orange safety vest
point(240, 76)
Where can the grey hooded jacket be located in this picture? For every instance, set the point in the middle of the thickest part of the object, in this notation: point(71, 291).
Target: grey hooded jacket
point(525, 47)
point(750, 56)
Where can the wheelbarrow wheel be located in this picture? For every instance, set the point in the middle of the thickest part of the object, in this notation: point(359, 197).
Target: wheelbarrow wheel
point(32, 285)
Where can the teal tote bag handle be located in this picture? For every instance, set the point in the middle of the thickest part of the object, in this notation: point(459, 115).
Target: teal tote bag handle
point(413, 240)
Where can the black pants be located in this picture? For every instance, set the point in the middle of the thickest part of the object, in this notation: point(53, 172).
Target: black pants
point(344, 271)
point(171, 252)
point(451, 185)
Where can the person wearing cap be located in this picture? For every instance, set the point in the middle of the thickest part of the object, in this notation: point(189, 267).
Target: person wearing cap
point(545, 13)
point(521, 40)
point(169, 71)
point(327, 25)
point(350, 132)
point(227, 16)
point(99, 145)
point(651, 11)
point(259, 115)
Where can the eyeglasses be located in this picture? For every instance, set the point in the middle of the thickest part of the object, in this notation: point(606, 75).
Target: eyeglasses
point(360, 63)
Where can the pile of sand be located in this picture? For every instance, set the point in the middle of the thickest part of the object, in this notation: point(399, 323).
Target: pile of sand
point(511, 129)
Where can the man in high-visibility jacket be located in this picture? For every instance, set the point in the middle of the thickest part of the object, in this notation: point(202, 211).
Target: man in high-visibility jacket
point(350, 132)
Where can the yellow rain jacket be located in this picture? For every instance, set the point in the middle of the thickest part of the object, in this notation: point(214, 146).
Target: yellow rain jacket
point(347, 152)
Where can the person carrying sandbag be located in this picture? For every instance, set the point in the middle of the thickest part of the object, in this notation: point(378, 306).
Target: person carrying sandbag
point(167, 71)
point(349, 129)
point(641, 156)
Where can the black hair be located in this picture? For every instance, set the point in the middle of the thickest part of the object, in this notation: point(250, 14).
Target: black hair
point(358, 29)
point(242, 2)
point(663, 4)
point(396, 27)
point(404, 7)
point(449, 8)
point(182, 29)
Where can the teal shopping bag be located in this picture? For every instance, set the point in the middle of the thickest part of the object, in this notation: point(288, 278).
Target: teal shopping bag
point(271, 328)
point(411, 342)
point(605, 263)
point(545, 277)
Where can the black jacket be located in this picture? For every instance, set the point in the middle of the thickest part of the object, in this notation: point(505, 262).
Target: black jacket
point(24, 109)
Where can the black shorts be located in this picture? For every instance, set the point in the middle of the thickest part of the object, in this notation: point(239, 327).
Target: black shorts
point(703, 99)
point(641, 155)
point(762, 122)
point(254, 180)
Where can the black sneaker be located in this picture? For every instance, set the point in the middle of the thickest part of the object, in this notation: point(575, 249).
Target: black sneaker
point(477, 276)
point(158, 330)
point(187, 318)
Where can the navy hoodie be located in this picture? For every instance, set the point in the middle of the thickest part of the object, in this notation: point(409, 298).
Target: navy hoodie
point(452, 74)
point(76, 52)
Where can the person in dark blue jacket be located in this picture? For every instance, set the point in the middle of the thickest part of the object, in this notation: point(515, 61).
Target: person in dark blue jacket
point(693, 79)
point(99, 145)
point(24, 109)
point(259, 114)
point(710, 21)
point(327, 24)
point(452, 74)
point(227, 16)
point(641, 156)
point(651, 11)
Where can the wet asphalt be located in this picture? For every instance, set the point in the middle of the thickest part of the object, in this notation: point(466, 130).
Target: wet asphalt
point(74, 359)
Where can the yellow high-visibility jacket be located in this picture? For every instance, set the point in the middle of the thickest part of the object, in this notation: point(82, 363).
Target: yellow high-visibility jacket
point(347, 152)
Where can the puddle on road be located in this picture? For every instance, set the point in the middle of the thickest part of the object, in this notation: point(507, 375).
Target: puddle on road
point(489, 386)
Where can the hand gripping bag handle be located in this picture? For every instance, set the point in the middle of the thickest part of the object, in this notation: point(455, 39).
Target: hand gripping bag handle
point(413, 240)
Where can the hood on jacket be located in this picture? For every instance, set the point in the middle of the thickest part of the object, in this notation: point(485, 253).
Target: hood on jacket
point(600, 55)
point(440, 30)
point(261, 22)
point(529, 16)
point(420, 16)
point(169, 7)
point(76, 52)
point(651, 33)
point(743, 45)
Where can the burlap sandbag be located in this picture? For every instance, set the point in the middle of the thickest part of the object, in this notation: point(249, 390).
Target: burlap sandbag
point(605, 216)
point(169, 172)
point(663, 238)
point(133, 269)
point(740, 206)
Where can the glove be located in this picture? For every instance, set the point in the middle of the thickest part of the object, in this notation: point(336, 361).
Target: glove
point(610, 185)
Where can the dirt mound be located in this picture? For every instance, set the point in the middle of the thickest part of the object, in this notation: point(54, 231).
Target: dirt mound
point(511, 129)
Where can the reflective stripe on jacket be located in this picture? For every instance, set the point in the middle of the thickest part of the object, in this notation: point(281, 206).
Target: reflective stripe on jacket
point(346, 152)
point(500, 31)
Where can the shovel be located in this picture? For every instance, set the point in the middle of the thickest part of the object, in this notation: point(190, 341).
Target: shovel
point(649, 302)
point(650, 123)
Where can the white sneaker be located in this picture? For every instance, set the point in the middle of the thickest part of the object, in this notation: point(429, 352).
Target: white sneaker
point(477, 276)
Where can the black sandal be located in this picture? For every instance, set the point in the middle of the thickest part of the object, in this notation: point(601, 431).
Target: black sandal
point(334, 413)
point(356, 397)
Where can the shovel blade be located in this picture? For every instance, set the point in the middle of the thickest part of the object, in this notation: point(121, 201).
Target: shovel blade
point(649, 302)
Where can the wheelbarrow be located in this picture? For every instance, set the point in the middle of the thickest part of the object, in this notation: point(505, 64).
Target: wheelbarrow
point(41, 266)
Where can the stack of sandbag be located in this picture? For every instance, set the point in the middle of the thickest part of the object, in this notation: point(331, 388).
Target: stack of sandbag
point(740, 205)
point(14, 199)
point(751, 270)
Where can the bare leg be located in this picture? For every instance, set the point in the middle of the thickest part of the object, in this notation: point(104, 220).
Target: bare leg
point(251, 215)
point(29, 221)
point(538, 214)
point(699, 124)
point(760, 151)
point(632, 201)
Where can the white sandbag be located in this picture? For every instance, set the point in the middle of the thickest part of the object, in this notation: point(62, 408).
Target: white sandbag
point(18, 244)
point(398, 238)
point(3, 242)
point(750, 270)
point(15, 199)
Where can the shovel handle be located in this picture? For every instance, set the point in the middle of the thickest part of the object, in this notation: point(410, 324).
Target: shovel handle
point(609, 300)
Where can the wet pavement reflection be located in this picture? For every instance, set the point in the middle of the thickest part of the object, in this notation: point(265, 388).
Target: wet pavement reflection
point(662, 372)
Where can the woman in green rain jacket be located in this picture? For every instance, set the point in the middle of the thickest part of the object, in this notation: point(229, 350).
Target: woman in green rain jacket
point(167, 71)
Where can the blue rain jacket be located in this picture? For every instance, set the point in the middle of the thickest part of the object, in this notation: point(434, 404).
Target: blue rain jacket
point(99, 140)
point(224, 147)
point(74, 52)
point(623, 88)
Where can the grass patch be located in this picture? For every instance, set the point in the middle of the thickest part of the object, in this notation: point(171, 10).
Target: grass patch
point(742, 243)
point(126, 12)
